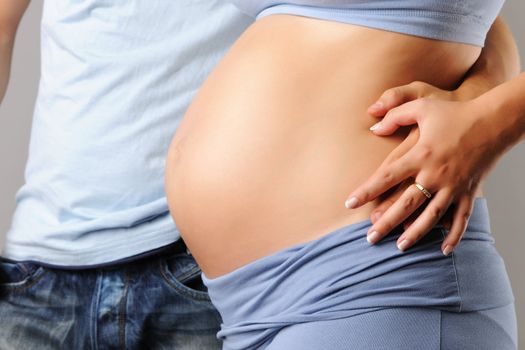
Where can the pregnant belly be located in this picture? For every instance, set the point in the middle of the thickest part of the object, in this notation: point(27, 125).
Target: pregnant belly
point(278, 135)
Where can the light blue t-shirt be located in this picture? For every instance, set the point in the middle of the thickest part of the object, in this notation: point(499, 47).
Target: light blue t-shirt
point(116, 78)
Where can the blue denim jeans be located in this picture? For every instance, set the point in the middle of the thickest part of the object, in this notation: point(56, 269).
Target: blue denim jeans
point(157, 302)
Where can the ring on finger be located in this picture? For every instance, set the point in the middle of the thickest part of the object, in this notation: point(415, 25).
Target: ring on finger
point(423, 189)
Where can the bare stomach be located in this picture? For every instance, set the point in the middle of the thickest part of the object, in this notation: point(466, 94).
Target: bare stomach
point(278, 135)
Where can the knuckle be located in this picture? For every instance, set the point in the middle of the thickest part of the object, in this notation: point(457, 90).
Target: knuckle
point(392, 95)
point(387, 176)
point(465, 215)
point(408, 203)
point(435, 212)
point(364, 196)
point(443, 170)
point(418, 85)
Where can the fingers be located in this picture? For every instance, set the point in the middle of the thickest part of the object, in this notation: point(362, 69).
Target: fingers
point(408, 202)
point(397, 96)
point(387, 202)
point(407, 114)
point(446, 220)
point(404, 147)
point(384, 178)
point(426, 220)
point(390, 200)
point(398, 152)
point(410, 220)
point(459, 224)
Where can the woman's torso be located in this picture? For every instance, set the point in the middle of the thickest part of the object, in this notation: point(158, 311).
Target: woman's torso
point(278, 135)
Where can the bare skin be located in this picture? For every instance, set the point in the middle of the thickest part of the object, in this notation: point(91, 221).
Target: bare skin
point(500, 57)
point(11, 13)
point(279, 134)
point(461, 156)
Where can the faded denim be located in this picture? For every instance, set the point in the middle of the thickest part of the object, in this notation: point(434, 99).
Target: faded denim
point(158, 302)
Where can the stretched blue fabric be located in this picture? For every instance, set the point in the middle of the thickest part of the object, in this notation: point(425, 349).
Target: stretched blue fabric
point(341, 275)
point(465, 21)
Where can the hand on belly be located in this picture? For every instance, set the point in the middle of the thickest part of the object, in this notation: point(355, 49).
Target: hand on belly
point(444, 156)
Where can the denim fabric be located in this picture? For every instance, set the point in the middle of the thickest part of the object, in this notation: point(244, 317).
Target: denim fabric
point(158, 302)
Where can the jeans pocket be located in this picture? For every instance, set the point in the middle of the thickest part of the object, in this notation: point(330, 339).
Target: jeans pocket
point(181, 272)
point(19, 275)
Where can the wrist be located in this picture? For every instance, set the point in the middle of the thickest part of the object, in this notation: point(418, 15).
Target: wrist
point(471, 89)
point(504, 126)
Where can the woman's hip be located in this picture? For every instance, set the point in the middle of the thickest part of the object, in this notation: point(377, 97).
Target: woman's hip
point(401, 328)
point(341, 276)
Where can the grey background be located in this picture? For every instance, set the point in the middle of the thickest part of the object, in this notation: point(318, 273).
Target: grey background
point(504, 188)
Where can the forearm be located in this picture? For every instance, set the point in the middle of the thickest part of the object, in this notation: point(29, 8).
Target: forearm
point(499, 62)
point(11, 13)
point(503, 110)
point(6, 49)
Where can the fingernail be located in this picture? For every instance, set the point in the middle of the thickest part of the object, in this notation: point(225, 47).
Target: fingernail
point(351, 203)
point(375, 126)
point(448, 249)
point(373, 237)
point(403, 245)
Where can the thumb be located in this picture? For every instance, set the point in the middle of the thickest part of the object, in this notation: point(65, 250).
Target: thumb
point(406, 114)
point(397, 96)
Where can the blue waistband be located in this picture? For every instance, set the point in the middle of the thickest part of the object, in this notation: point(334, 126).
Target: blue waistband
point(342, 275)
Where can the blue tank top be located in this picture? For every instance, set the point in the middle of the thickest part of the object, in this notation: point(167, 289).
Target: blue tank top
point(464, 21)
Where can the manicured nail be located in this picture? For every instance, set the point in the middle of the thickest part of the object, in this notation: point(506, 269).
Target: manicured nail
point(375, 126)
point(351, 203)
point(448, 249)
point(403, 245)
point(373, 237)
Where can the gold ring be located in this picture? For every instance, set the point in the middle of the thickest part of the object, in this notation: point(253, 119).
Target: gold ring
point(424, 190)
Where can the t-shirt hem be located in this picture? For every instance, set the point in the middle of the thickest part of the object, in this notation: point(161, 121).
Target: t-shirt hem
point(118, 252)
